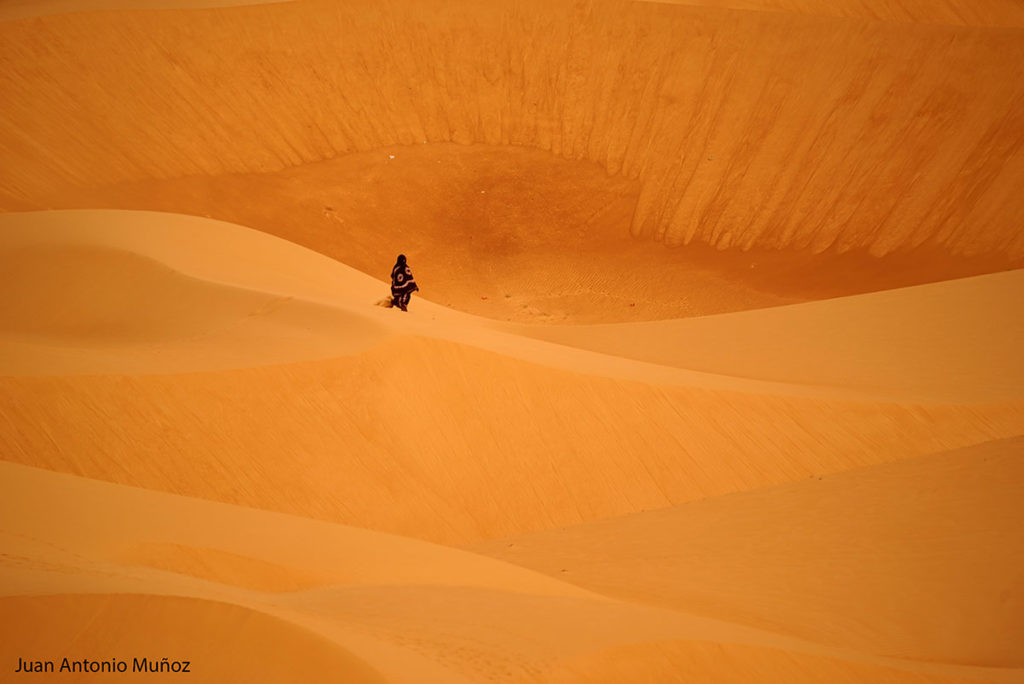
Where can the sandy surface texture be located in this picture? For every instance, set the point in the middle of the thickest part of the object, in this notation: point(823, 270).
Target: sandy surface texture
point(992, 13)
point(186, 356)
point(714, 373)
point(24, 9)
point(741, 129)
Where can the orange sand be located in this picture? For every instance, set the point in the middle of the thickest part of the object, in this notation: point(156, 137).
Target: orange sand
point(715, 374)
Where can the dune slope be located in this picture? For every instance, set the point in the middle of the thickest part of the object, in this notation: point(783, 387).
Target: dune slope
point(918, 559)
point(218, 445)
point(381, 608)
point(1002, 13)
point(488, 228)
point(950, 342)
point(743, 129)
point(433, 424)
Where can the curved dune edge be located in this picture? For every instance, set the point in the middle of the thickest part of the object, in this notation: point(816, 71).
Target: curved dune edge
point(89, 296)
point(110, 291)
point(744, 129)
point(188, 543)
point(675, 511)
point(716, 663)
point(223, 567)
point(130, 629)
point(951, 341)
point(489, 229)
point(570, 435)
point(399, 611)
point(323, 439)
point(917, 559)
point(136, 292)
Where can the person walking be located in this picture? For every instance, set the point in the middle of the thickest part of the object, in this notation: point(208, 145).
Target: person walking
point(402, 284)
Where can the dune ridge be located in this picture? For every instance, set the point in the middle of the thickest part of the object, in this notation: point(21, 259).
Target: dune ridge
point(488, 227)
point(714, 374)
point(360, 625)
point(937, 580)
point(319, 458)
point(744, 129)
point(307, 424)
point(910, 341)
point(564, 442)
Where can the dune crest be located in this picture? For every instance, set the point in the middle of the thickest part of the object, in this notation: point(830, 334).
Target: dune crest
point(489, 227)
point(917, 559)
point(405, 611)
point(143, 631)
point(608, 435)
point(714, 373)
point(117, 292)
point(954, 341)
point(107, 296)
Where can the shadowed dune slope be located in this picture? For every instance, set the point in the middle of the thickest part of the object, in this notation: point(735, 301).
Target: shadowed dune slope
point(93, 295)
point(482, 446)
point(742, 129)
point(1005, 13)
point(216, 642)
point(718, 663)
point(211, 436)
point(383, 609)
point(918, 559)
point(518, 234)
point(433, 424)
point(125, 292)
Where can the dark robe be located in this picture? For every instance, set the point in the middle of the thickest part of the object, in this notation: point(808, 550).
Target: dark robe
point(402, 285)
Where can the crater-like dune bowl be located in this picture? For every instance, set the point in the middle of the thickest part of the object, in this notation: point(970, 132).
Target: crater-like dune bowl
point(714, 374)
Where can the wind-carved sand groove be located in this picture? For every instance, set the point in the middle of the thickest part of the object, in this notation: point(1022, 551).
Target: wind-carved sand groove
point(744, 128)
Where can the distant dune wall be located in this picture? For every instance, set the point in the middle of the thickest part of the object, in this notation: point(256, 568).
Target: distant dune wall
point(745, 129)
point(1006, 13)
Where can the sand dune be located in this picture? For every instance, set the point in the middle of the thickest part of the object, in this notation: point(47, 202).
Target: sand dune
point(120, 293)
point(319, 433)
point(917, 559)
point(888, 342)
point(489, 227)
point(144, 631)
point(498, 435)
point(145, 292)
point(383, 609)
point(714, 376)
point(770, 149)
point(1004, 13)
point(743, 129)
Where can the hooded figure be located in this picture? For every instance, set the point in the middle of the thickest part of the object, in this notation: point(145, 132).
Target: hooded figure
point(402, 284)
